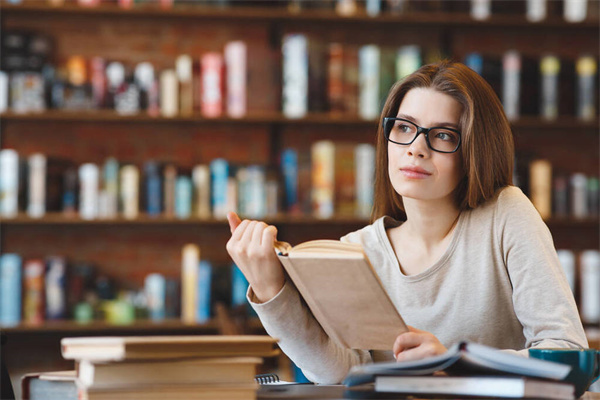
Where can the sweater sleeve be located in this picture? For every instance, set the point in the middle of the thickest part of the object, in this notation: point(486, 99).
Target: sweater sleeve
point(287, 318)
point(542, 299)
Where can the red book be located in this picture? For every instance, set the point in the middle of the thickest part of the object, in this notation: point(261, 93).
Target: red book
point(212, 84)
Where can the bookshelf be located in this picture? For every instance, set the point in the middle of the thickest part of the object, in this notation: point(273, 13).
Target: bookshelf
point(129, 249)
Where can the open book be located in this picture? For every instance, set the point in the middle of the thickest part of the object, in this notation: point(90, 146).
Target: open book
point(343, 292)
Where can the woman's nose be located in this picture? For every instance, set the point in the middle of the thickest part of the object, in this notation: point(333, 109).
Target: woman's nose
point(419, 148)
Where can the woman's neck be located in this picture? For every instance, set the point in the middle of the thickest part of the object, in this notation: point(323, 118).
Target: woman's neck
point(429, 222)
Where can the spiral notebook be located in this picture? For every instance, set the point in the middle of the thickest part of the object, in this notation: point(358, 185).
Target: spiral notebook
point(271, 387)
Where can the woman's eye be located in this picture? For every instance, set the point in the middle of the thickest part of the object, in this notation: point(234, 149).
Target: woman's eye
point(404, 128)
point(446, 136)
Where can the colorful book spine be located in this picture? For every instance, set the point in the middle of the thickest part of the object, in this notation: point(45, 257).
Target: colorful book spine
point(170, 177)
point(9, 183)
point(567, 261)
point(204, 291)
point(201, 179)
point(155, 291)
point(189, 283)
point(351, 86)
point(183, 68)
point(110, 173)
point(183, 197)
point(33, 292)
point(169, 93)
point(511, 84)
point(365, 177)
point(219, 170)
point(239, 286)
point(88, 191)
point(130, 192)
point(56, 288)
point(540, 173)
point(212, 85)
point(586, 75)
point(323, 179)
point(368, 99)
point(590, 282)
point(153, 189)
point(236, 60)
point(335, 81)
point(295, 76)
point(408, 60)
point(289, 168)
point(36, 206)
point(10, 289)
point(345, 179)
point(549, 68)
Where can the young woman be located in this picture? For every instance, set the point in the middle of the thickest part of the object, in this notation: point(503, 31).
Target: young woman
point(462, 254)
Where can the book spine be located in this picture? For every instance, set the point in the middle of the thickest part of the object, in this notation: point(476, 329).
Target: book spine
point(183, 68)
point(170, 175)
point(231, 196)
point(575, 10)
point(257, 196)
point(408, 60)
point(335, 82)
point(549, 68)
point(586, 74)
point(69, 197)
point(219, 169)
point(593, 196)
point(289, 167)
point(242, 178)
point(33, 296)
point(567, 261)
point(323, 180)
point(10, 289)
point(536, 10)
point(369, 62)
point(201, 178)
point(236, 66)
point(56, 288)
point(561, 196)
point(239, 286)
point(345, 179)
point(98, 81)
point(110, 172)
point(579, 209)
point(36, 207)
point(475, 62)
point(511, 67)
point(168, 93)
point(590, 282)
point(3, 91)
point(9, 183)
point(365, 176)
point(115, 76)
point(540, 172)
point(346, 8)
point(373, 7)
point(481, 9)
point(272, 197)
point(204, 291)
point(351, 80)
point(130, 193)
point(153, 189)
point(295, 75)
point(212, 85)
point(189, 283)
point(155, 290)
point(172, 298)
point(183, 197)
point(88, 193)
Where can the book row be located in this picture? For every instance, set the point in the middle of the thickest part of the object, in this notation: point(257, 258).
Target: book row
point(34, 290)
point(316, 77)
point(534, 10)
point(583, 274)
point(331, 179)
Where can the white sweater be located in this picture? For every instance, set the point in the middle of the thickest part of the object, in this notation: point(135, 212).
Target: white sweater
point(499, 283)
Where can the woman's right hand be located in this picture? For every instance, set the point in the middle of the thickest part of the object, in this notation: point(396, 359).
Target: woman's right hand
point(251, 248)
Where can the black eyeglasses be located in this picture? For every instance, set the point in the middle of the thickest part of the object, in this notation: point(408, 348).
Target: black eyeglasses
point(402, 131)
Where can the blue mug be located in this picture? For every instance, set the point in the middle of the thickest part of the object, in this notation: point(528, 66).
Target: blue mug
point(585, 365)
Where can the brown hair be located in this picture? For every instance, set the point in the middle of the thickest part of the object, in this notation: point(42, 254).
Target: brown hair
point(487, 147)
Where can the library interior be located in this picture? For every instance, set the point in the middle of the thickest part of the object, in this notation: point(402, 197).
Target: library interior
point(130, 128)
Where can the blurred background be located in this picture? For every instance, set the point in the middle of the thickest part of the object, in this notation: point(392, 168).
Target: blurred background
point(129, 128)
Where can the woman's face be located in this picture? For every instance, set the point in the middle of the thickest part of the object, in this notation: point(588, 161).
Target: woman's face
point(415, 170)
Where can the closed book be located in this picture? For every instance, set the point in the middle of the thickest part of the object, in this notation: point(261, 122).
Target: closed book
point(55, 385)
point(493, 386)
point(179, 371)
point(335, 78)
point(408, 60)
point(155, 291)
point(336, 279)
point(211, 104)
point(153, 189)
point(369, 62)
point(33, 291)
point(586, 68)
point(364, 165)
point(189, 283)
point(256, 192)
point(120, 348)
point(88, 191)
point(219, 171)
point(209, 391)
point(110, 175)
point(295, 76)
point(130, 191)
point(203, 309)
point(183, 197)
point(183, 68)
point(56, 288)
point(540, 175)
point(10, 289)
point(169, 180)
point(36, 206)
point(345, 179)
point(201, 180)
point(289, 170)
point(9, 183)
point(236, 60)
point(323, 178)
point(169, 93)
point(511, 84)
point(550, 69)
point(351, 85)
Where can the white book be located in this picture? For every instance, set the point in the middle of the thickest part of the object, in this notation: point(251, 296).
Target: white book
point(575, 10)
point(373, 7)
point(481, 9)
point(130, 192)
point(579, 206)
point(295, 76)
point(3, 91)
point(236, 67)
point(169, 93)
point(590, 286)
point(511, 83)
point(257, 195)
point(88, 193)
point(368, 80)
point(9, 183)
point(365, 178)
point(536, 10)
point(36, 205)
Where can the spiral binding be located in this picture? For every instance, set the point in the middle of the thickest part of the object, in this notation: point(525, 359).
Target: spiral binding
point(266, 378)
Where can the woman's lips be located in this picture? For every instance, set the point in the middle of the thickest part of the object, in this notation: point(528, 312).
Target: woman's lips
point(415, 172)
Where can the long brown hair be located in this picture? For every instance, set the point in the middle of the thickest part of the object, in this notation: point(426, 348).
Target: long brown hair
point(487, 147)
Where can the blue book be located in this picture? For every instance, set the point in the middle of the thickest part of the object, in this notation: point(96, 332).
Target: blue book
point(204, 292)
point(153, 189)
point(183, 197)
point(239, 286)
point(475, 62)
point(289, 169)
point(10, 289)
point(219, 171)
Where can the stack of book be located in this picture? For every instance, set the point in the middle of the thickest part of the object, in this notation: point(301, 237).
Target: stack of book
point(155, 367)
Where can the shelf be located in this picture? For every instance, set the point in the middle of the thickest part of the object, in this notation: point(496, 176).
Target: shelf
point(60, 219)
point(281, 14)
point(266, 118)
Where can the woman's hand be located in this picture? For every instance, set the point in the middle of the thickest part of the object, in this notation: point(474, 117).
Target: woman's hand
point(416, 344)
point(251, 248)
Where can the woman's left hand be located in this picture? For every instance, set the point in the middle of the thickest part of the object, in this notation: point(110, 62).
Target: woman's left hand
point(417, 344)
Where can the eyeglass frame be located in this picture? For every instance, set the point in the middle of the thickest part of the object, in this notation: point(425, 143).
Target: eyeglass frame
point(420, 130)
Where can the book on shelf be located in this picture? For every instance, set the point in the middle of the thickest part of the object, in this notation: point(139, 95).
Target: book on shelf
point(464, 358)
point(123, 348)
point(337, 280)
point(54, 385)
